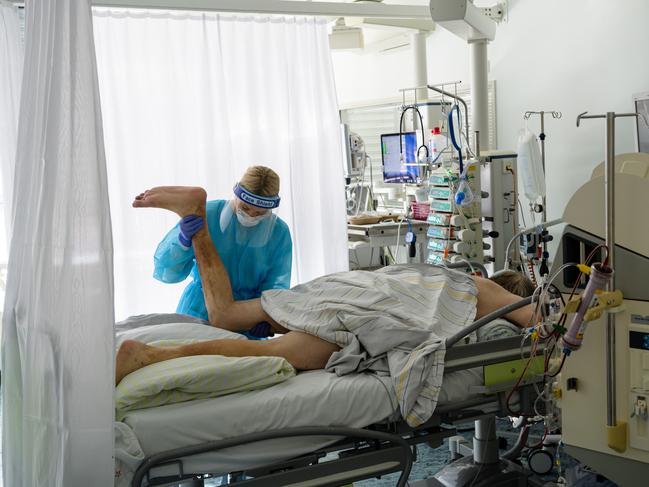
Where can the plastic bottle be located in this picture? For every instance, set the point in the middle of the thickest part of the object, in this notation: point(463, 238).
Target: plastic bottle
point(436, 144)
point(432, 148)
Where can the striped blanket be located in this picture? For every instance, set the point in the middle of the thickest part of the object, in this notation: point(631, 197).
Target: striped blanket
point(393, 320)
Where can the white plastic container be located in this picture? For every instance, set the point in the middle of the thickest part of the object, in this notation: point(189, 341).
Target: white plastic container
point(436, 144)
point(530, 166)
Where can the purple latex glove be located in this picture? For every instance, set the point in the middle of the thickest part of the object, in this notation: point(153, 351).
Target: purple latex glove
point(189, 225)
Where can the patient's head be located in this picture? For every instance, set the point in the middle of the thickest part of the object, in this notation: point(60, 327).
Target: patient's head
point(514, 282)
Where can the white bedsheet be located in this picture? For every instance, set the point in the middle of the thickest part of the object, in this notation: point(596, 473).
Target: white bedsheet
point(316, 398)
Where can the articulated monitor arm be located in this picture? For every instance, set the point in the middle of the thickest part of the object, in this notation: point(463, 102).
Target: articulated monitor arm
point(463, 19)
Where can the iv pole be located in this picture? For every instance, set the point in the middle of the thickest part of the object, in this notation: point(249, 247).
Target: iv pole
point(543, 269)
point(616, 431)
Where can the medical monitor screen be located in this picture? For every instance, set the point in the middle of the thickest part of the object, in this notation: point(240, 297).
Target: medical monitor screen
point(642, 109)
point(393, 169)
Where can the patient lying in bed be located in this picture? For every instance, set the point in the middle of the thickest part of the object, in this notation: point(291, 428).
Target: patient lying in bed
point(393, 320)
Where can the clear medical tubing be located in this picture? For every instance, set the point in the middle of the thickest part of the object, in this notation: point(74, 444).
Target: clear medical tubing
point(452, 340)
point(530, 166)
point(599, 276)
point(468, 263)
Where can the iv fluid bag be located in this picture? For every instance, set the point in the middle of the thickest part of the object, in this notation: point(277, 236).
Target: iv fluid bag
point(530, 166)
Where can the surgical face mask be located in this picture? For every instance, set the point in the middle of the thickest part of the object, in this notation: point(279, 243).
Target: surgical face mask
point(249, 221)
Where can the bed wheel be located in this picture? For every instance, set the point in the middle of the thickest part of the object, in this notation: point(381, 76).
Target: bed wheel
point(540, 461)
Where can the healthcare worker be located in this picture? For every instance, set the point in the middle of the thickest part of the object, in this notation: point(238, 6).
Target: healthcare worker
point(254, 245)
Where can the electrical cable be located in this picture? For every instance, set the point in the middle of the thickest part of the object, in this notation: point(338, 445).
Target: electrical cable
point(563, 360)
point(421, 126)
point(356, 262)
point(522, 212)
point(537, 300)
point(574, 287)
point(396, 254)
point(536, 228)
point(554, 335)
point(389, 250)
point(539, 396)
point(359, 183)
point(520, 379)
point(452, 188)
point(535, 337)
point(515, 185)
point(547, 284)
point(439, 154)
point(540, 443)
point(372, 204)
point(468, 146)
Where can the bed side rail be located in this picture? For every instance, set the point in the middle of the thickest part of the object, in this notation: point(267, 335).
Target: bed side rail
point(499, 313)
point(486, 353)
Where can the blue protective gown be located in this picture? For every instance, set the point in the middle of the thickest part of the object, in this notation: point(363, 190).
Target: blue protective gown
point(254, 262)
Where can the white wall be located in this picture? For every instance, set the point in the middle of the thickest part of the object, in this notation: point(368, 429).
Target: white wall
point(371, 76)
point(571, 56)
point(550, 55)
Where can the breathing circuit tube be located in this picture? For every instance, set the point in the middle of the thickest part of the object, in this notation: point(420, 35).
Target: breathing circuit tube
point(421, 127)
point(452, 340)
point(458, 146)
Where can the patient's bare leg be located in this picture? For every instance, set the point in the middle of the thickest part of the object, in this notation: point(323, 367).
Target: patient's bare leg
point(222, 310)
point(303, 351)
point(492, 296)
point(182, 200)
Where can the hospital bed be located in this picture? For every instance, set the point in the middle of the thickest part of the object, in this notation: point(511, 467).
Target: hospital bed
point(317, 429)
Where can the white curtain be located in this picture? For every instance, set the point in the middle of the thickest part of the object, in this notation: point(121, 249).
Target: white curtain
point(57, 342)
point(194, 99)
point(11, 72)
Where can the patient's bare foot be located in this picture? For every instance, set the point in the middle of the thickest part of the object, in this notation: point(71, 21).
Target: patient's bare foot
point(182, 200)
point(131, 356)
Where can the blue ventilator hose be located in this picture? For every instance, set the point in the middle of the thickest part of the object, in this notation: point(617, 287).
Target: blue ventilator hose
point(451, 130)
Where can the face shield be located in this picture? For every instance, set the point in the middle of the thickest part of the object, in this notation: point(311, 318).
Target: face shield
point(249, 217)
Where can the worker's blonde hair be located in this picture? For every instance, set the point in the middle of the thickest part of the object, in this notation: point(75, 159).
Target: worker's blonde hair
point(514, 282)
point(261, 180)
